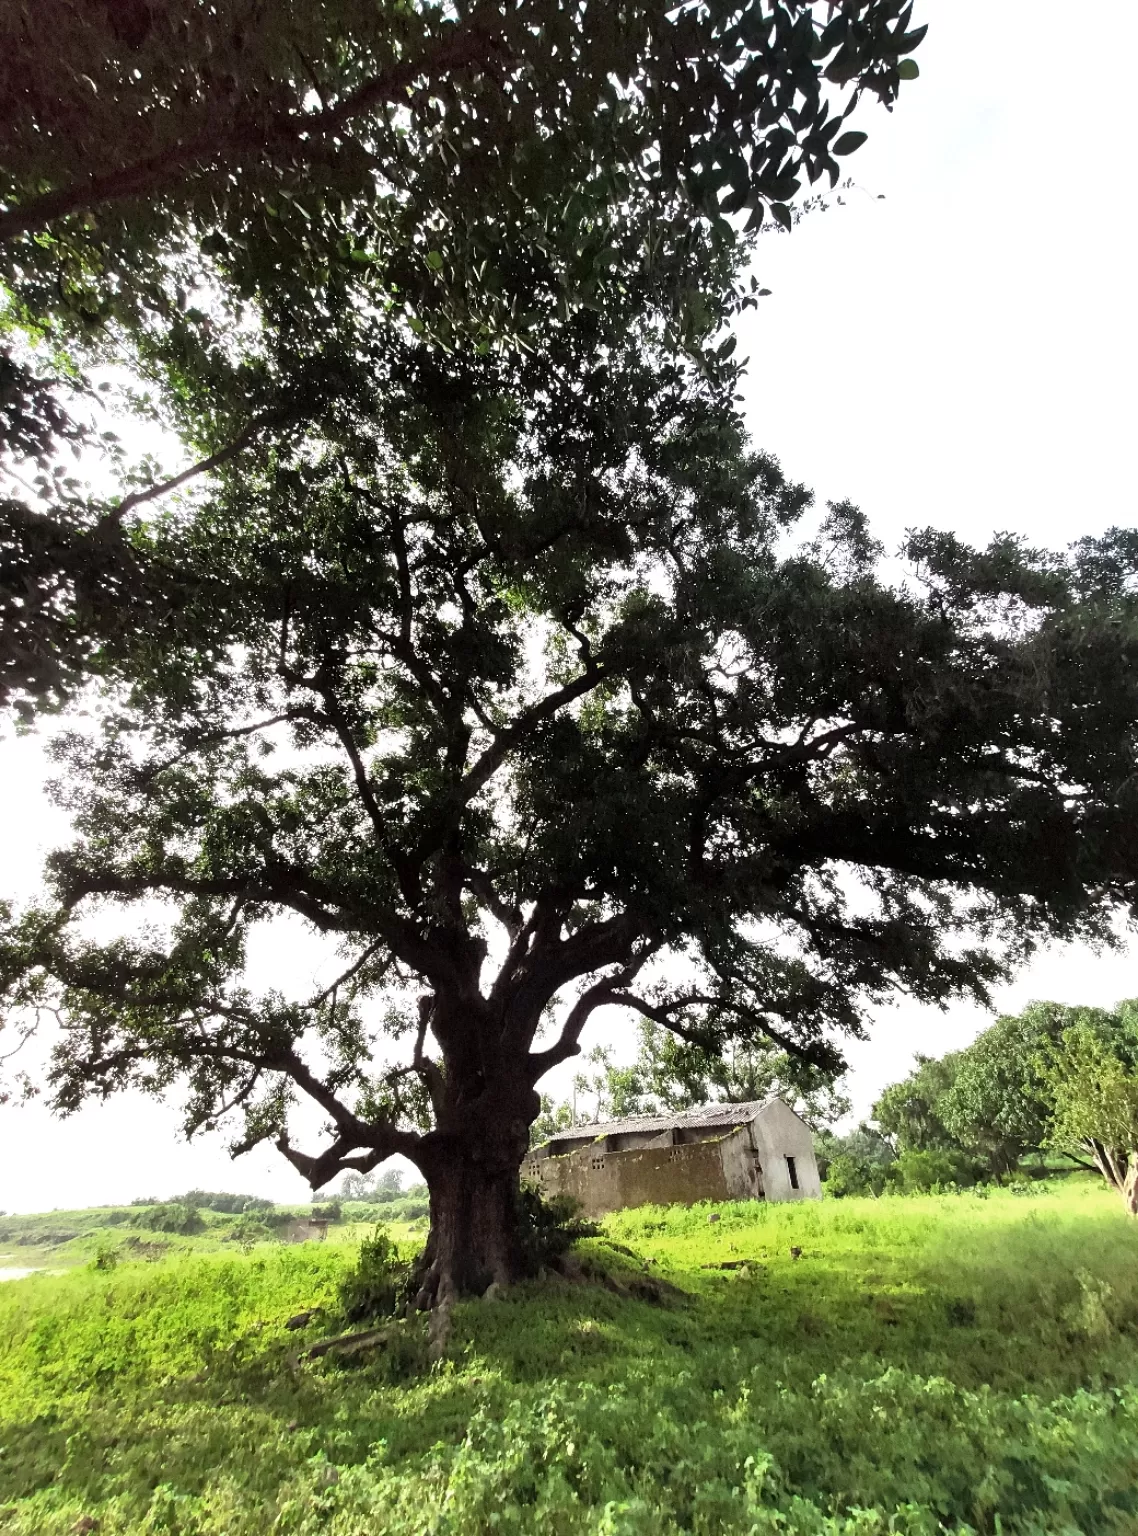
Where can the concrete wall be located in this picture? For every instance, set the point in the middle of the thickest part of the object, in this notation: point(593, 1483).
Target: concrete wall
point(611, 1181)
point(778, 1133)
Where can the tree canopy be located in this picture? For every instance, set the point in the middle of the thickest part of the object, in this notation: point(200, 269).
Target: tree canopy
point(478, 638)
point(177, 175)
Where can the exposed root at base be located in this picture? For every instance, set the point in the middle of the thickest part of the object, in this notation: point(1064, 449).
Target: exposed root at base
point(347, 1344)
point(437, 1296)
point(645, 1287)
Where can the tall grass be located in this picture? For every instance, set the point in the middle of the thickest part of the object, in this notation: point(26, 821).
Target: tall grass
point(911, 1365)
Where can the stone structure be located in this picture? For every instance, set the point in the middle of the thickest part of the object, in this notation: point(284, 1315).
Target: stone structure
point(758, 1151)
point(303, 1229)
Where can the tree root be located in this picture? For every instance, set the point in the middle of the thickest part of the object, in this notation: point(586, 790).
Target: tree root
point(348, 1344)
point(644, 1287)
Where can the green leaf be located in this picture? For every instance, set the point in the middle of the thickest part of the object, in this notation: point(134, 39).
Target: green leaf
point(434, 260)
point(908, 69)
point(848, 142)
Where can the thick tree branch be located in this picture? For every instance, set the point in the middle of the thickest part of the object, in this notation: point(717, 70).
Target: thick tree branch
point(302, 136)
point(339, 721)
point(665, 1015)
point(217, 738)
point(115, 516)
point(568, 1043)
point(505, 740)
point(480, 884)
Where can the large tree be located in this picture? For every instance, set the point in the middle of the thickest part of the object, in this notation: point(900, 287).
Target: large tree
point(174, 174)
point(508, 675)
point(1091, 1074)
point(991, 1102)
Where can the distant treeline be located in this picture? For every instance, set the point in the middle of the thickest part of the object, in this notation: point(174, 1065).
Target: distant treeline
point(1052, 1085)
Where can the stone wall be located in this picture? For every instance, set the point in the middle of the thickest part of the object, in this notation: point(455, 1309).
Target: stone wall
point(610, 1181)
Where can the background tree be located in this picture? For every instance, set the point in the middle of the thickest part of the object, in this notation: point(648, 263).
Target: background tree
point(670, 1073)
point(504, 674)
point(858, 1163)
point(909, 1113)
point(991, 1102)
point(377, 1188)
point(999, 1106)
point(551, 1118)
point(173, 175)
point(1092, 1076)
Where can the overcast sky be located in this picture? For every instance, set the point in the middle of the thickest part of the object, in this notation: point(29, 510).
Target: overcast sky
point(959, 351)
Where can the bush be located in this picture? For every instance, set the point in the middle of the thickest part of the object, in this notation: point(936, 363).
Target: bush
point(379, 1284)
point(550, 1226)
point(850, 1175)
point(174, 1217)
point(924, 1172)
point(106, 1257)
point(247, 1230)
point(332, 1211)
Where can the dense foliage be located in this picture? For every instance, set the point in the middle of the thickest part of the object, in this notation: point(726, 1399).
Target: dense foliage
point(1053, 1077)
point(175, 177)
point(1091, 1076)
point(925, 1366)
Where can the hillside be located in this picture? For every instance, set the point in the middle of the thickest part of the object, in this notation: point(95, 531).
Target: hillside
point(844, 1368)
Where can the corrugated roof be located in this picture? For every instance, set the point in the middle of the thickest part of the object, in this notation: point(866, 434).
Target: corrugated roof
point(703, 1114)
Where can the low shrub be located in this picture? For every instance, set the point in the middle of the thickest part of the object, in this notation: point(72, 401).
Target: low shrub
point(550, 1226)
point(173, 1217)
point(917, 1173)
point(247, 1230)
point(380, 1282)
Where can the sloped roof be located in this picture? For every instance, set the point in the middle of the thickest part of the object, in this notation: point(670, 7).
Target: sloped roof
point(683, 1119)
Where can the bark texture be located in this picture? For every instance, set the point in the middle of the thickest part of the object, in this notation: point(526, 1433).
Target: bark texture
point(1130, 1185)
point(472, 1170)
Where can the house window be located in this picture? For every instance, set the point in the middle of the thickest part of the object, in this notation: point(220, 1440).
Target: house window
point(598, 1162)
point(793, 1172)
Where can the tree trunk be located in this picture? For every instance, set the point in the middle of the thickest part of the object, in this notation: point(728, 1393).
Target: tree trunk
point(475, 1237)
point(472, 1166)
point(1130, 1185)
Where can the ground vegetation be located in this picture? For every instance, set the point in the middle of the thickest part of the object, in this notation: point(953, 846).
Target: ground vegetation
point(929, 1366)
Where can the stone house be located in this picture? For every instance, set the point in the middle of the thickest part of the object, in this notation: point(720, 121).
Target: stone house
point(757, 1151)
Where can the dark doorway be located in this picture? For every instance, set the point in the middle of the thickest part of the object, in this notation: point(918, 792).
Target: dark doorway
point(793, 1171)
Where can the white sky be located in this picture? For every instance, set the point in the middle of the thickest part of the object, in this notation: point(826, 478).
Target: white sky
point(961, 353)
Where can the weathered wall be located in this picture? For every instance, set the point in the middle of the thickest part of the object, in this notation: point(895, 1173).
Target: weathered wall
point(740, 1165)
point(778, 1133)
point(611, 1181)
point(748, 1163)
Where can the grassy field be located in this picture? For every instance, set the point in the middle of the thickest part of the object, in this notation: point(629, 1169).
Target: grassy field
point(913, 1365)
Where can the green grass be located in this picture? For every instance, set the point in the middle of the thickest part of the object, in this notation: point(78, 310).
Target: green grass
point(924, 1365)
